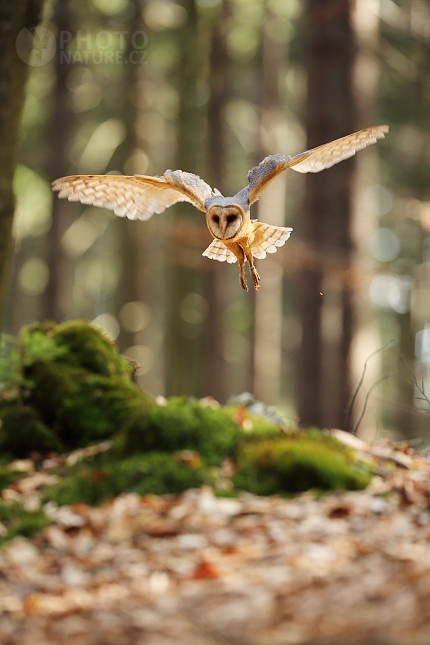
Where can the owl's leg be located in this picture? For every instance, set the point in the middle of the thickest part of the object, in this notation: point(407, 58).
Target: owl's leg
point(238, 251)
point(254, 272)
point(242, 277)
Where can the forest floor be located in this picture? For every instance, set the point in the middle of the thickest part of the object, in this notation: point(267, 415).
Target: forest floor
point(349, 567)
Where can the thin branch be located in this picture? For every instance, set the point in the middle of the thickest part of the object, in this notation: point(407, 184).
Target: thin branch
point(413, 378)
point(360, 383)
point(404, 407)
point(383, 378)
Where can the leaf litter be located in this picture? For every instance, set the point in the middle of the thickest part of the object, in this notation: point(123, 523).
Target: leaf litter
point(346, 567)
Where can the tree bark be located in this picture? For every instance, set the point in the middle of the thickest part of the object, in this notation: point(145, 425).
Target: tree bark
point(323, 362)
point(14, 16)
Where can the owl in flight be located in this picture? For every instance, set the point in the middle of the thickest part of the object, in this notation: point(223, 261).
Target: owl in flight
point(236, 235)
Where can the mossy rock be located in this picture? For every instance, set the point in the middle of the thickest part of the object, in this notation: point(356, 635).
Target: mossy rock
point(271, 466)
point(180, 425)
point(22, 432)
point(74, 389)
point(82, 407)
point(82, 346)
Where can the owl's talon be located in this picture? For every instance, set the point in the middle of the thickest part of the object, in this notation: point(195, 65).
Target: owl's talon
point(255, 277)
point(242, 279)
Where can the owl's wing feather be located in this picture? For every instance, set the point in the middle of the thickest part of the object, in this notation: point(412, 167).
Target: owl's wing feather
point(267, 170)
point(331, 153)
point(267, 239)
point(137, 196)
point(217, 250)
point(313, 160)
point(193, 186)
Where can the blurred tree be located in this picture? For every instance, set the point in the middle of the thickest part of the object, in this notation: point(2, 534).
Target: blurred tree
point(219, 65)
point(15, 16)
point(271, 209)
point(60, 131)
point(323, 363)
point(404, 51)
point(185, 305)
point(131, 287)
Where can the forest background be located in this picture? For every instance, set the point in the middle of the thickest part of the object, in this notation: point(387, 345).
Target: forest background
point(211, 87)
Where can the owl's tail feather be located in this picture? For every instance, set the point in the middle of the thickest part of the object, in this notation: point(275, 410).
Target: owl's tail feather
point(217, 250)
point(268, 239)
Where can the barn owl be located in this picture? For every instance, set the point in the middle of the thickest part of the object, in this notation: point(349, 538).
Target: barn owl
point(236, 236)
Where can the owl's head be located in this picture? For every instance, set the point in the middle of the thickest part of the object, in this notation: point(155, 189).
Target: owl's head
point(224, 221)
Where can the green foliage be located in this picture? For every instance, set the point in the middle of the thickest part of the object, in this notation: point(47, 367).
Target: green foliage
point(270, 466)
point(152, 473)
point(18, 521)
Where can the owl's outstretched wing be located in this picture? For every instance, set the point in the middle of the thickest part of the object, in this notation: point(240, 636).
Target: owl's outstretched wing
point(217, 250)
point(331, 153)
point(313, 160)
point(137, 196)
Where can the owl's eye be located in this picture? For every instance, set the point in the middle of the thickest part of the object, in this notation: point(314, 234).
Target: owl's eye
point(230, 218)
point(216, 219)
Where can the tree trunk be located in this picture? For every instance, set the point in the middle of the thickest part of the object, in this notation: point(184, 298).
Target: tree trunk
point(326, 309)
point(14, 16)
point(271, 210)
point(184, 356)
point(214, 368)
point(60, 127)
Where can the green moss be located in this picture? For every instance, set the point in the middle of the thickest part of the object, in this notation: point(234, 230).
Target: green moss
point(18, 521)
point(22, 432)
point(67, 387)
point(82, 407)
point(180, 425)
point(155, 473)
point(269, 466)
point(72, 388)
point(81, 346)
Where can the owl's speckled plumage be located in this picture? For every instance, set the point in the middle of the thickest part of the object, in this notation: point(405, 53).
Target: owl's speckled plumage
point(237, 238)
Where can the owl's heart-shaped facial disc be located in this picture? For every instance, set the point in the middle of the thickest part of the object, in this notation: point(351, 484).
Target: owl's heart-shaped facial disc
point(224, 221)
